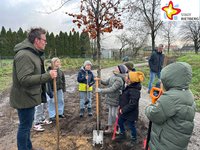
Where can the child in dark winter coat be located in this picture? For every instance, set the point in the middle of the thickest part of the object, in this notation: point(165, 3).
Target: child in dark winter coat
point(129, 103)
point(115, 85)
point(86, 80)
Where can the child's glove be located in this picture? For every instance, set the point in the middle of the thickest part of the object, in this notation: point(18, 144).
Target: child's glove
point(98, 90)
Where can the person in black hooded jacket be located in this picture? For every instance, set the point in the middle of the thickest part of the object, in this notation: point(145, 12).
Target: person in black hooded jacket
point(129, 103)
point(156, 61)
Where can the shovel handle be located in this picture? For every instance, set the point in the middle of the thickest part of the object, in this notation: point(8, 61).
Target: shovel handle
point(97, 102)
point(87, 99)
point(56, 107)
point(115, 127)
point(154, 98)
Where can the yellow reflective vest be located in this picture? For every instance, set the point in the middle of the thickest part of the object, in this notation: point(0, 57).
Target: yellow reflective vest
point(83, 87)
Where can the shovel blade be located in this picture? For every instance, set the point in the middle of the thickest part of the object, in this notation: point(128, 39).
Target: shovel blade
point(97, 137)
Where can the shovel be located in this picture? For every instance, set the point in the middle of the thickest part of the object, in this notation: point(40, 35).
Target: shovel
point(56, 107)
point(155, 93)
point(97, 134)
point(87, 100)
point(115, 127)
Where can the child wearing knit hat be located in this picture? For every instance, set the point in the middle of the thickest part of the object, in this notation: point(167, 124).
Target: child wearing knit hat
point(115, 85)
point(86, 80)
point(130, 66)
point(129, 103)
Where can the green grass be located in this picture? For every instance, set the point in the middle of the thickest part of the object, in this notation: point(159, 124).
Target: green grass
point(76, 63)
point(194, 61)
point(5, 74)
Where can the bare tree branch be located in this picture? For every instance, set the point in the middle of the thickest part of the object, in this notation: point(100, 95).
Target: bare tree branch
point(149, 16)
point(63, 2)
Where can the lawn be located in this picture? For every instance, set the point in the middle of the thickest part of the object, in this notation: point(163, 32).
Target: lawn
point(194, 61)
point(5, 74)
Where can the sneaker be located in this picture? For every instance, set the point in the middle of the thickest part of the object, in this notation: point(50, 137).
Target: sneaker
point(118, 130)
point(46, 122)
point(38, 128)
point(108, 130)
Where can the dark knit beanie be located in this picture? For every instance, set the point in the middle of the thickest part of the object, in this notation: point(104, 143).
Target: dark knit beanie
point(129, 65)
point(122, 69)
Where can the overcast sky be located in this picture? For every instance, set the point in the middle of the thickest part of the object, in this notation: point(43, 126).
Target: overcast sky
point(31, 13)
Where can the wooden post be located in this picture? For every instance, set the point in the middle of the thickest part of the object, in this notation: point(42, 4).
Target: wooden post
point(56, 107)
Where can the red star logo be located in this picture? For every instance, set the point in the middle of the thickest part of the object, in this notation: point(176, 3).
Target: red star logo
point(170, 10)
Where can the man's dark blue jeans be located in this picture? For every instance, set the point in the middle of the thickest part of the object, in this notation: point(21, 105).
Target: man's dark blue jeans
point(26, 117)
point(152, 78)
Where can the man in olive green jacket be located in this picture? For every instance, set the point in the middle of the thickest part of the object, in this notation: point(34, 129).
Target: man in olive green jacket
point(173, 114)
point(28, 81)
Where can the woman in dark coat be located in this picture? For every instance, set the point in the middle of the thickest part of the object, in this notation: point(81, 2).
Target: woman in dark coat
point(129, 103)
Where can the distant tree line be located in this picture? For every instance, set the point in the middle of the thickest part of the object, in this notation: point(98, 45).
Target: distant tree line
point(61, 45)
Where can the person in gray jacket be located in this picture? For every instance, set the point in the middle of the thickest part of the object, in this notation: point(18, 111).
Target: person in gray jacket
point(29, 78)
point(115, 84)
point(173, 114)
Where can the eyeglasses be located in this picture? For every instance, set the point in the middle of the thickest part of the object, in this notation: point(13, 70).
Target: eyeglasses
point(43, 40)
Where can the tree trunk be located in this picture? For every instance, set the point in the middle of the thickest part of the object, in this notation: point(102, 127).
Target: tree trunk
point(168, 45)
point(120, 54)
point(153, 40)
point(98, 40)
point(196, 47)
point(98, 55)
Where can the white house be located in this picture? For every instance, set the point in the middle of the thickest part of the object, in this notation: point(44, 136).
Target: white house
point(106, 53)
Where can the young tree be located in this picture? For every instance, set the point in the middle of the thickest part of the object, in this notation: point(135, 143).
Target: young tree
point(97, 17)
point(190, 31)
